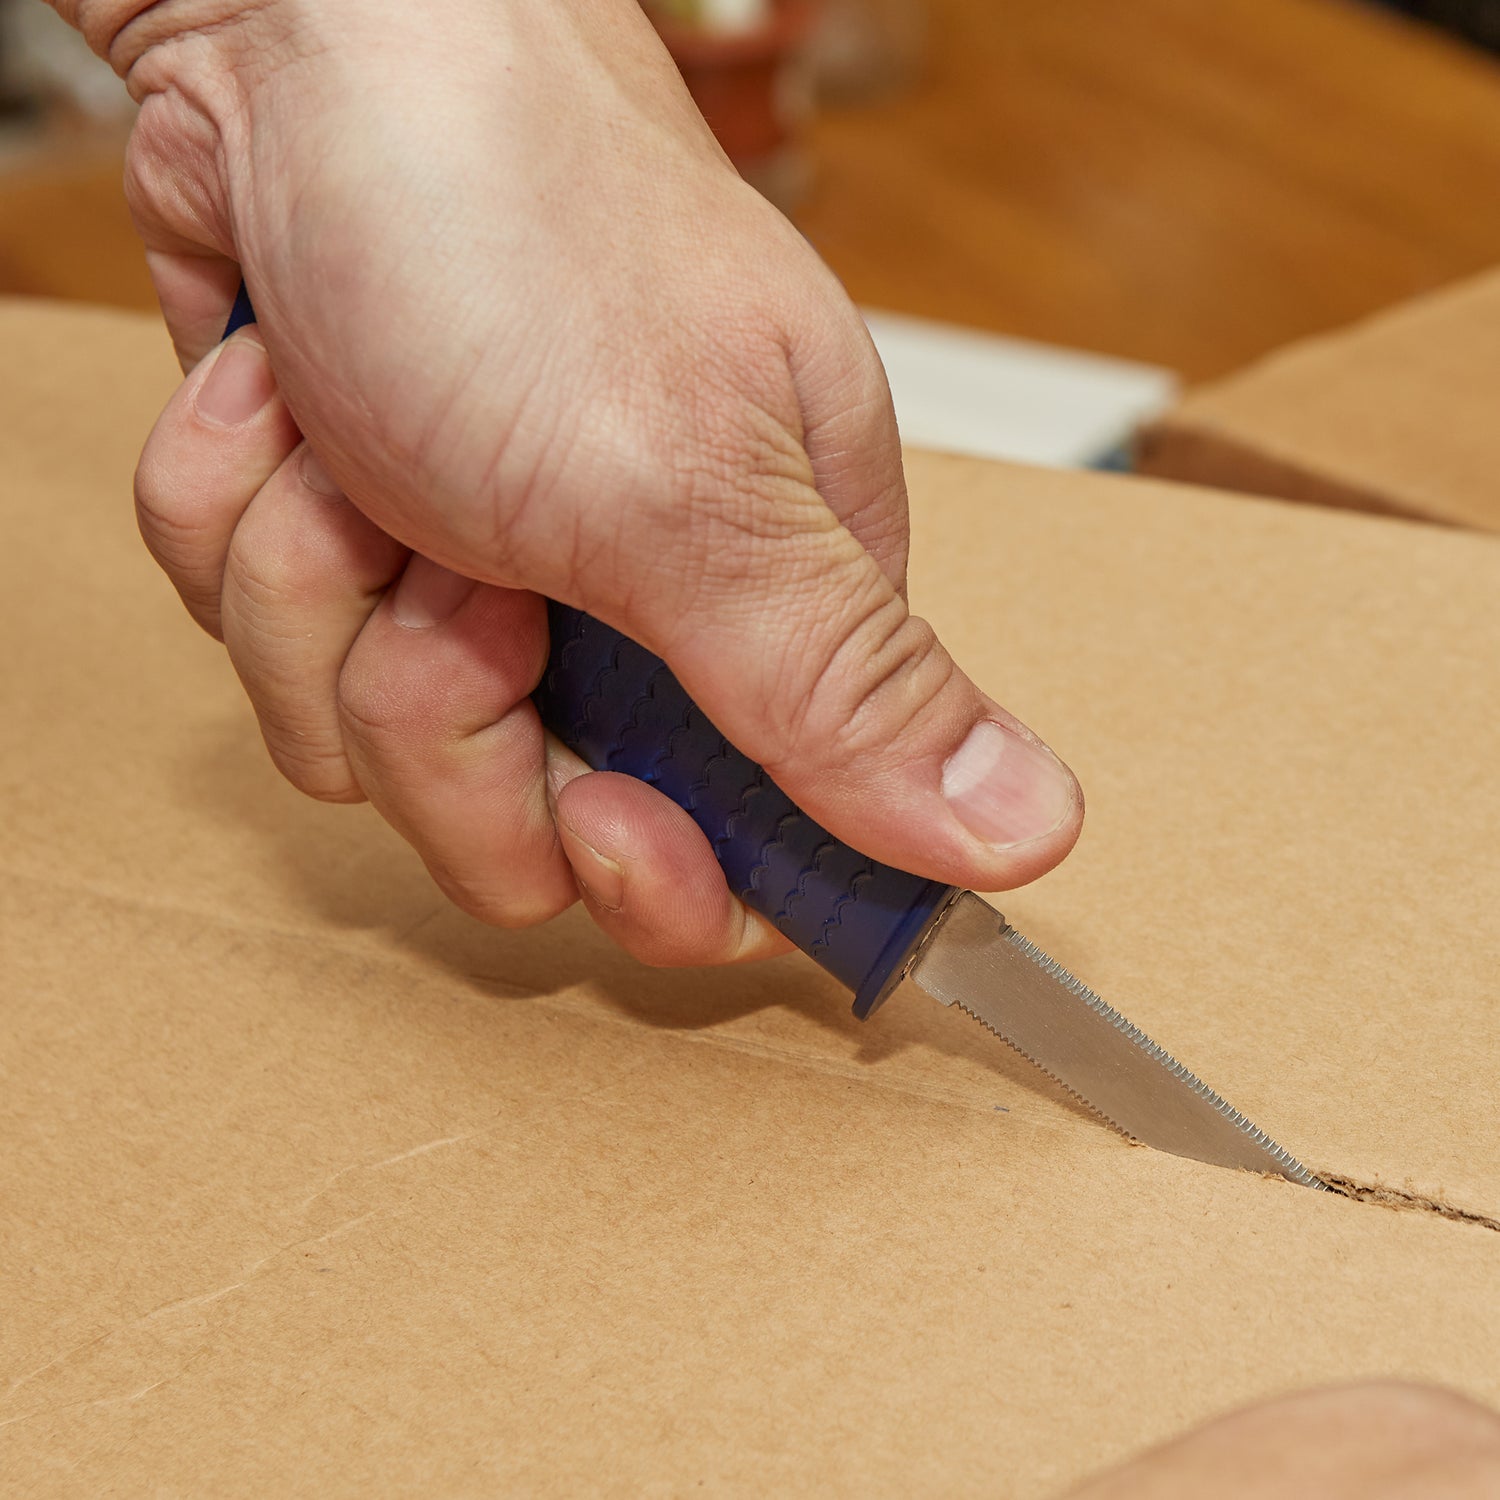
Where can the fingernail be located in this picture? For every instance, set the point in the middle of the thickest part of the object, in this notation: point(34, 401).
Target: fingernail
point(238, 384)
point(601, 878)
point(428, 594)
point(562, 766)
point(317, 478)
point(1005, 788)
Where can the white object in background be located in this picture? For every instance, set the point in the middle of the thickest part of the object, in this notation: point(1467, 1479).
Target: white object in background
point(733, 15)
point(961, 391)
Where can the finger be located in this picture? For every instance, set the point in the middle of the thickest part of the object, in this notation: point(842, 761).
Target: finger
point(303, 573)
point(848, 422)
point(1383, 1440)
point(1020, 807)
point(798, 645)
point(222, 434)
point(650, 879)
point(441, 733)
point(174, 189)
point(718, 552)
point(196, 291)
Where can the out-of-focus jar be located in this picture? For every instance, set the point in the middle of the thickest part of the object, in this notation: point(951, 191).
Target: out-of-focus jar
point(744, 62)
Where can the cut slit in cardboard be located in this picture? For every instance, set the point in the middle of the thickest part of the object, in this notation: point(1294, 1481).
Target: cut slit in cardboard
point(313, 1185)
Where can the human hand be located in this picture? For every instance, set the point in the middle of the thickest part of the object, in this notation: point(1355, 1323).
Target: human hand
point(546, 343)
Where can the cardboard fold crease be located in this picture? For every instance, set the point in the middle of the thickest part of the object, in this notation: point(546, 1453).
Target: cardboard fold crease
point(311, 1184)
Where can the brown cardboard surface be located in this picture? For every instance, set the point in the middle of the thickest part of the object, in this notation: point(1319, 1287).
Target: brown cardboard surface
point(310, 1185)
point(1394, 415)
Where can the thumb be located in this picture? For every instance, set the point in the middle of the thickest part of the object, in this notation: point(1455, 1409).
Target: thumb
point(808, 659)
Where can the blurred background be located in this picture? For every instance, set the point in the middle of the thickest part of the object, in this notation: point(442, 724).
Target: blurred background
point(1176, 184)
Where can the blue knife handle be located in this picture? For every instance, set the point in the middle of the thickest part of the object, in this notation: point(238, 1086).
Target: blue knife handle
point(619, 708)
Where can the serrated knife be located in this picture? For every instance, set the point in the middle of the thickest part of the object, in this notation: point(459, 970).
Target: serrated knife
point(871, 926)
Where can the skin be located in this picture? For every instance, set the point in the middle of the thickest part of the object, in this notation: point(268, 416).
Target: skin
point(1383, 1440)
point(543, 342)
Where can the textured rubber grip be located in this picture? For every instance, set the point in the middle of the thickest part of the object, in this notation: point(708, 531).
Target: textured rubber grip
point(241, 313)
point(620, 709)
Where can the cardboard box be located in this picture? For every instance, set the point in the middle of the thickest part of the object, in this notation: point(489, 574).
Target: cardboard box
point(310, 1185)
point(1395, 415)
point(960, 390)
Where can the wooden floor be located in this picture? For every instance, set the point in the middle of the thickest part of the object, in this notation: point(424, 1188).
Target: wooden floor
point(1189, 182)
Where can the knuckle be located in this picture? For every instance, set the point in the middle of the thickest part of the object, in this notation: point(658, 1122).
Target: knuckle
point(154, 500)
point(317, 772)
point(747, 469)
point(396, 718)
point(176, 529)
point(869, 682)
point(732, 433)
point(371, 707)
point(267, 573)
point(285, 555)
point(504, 903)
point(744, 529)
point(301, 734)
point(432, 694)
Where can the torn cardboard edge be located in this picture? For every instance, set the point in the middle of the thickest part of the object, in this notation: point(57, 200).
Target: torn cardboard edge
point(1201, 453)
point(1392, 415)
point(1405, 1202)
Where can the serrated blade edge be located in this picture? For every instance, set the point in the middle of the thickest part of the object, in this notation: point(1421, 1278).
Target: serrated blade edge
point(976, 960)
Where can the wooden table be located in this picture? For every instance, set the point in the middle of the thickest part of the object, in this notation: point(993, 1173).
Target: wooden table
point(1190, 182)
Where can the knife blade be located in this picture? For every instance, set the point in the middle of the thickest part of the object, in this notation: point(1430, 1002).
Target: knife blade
point(976, 960)
point(620, 708)
point(871, 926)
